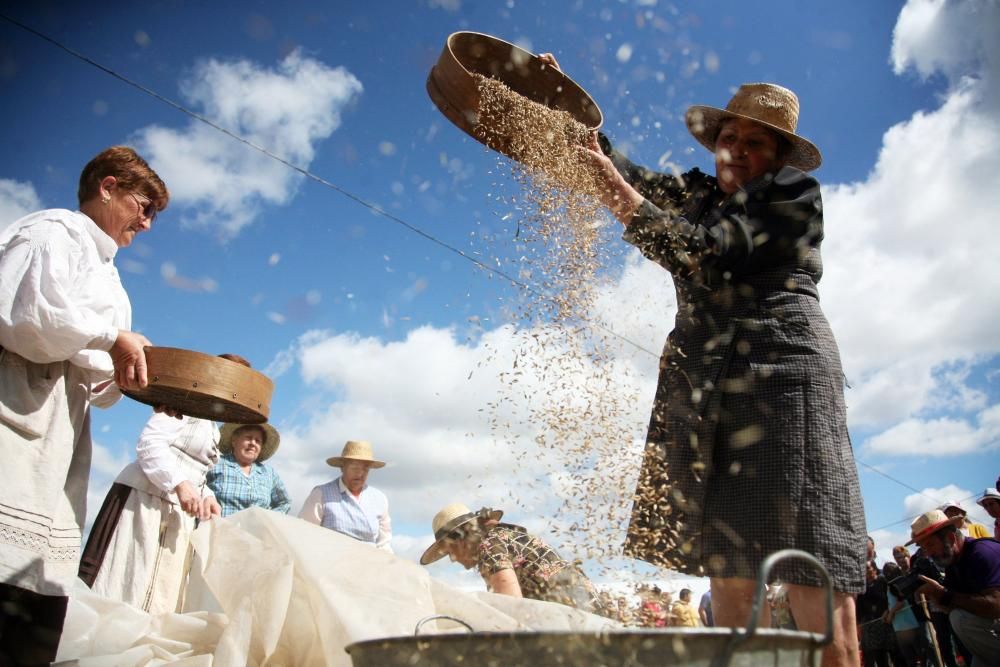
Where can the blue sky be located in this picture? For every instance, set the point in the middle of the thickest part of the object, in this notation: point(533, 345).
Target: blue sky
point(371, 331)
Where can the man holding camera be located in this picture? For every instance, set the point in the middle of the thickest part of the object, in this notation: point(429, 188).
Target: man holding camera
point(971, 589)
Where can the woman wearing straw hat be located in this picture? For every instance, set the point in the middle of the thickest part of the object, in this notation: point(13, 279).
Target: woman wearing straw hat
point(348, 504)
point(241, 479)
point(509, 559)
point(747, 450)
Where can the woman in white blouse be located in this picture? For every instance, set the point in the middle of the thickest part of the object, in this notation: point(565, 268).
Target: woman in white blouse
point(137, 551)
point(65, 323)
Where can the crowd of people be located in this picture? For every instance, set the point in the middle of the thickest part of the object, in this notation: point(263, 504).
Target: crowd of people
point(656, 608)
point(188, 471)
point(747, 449)
point(939, 604)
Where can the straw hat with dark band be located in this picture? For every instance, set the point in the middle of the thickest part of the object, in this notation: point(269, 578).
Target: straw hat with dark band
point(770, 105)
point(929, 523)
point(355, 450)
point(448, 519)
point(267, 449)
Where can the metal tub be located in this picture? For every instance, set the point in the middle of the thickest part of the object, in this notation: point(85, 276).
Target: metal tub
point(692, 647)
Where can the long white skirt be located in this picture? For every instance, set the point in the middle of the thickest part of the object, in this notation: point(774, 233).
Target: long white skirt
point(147, 561)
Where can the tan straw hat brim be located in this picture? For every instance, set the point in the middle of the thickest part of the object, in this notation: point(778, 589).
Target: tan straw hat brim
point(339, 461)
point(271, 439)
point(436, 551)
point(355, 450)
point(935, 527)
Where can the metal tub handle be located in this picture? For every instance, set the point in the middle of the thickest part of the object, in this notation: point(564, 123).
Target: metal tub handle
point(742, 635)
point(760, 593)
point(421, 622)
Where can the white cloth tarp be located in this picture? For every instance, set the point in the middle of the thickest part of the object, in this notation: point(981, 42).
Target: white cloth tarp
point(291, 593)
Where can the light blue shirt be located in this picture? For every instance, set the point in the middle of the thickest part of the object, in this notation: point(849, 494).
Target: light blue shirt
point(904, 619)
point(365, 517)
point(236, 491)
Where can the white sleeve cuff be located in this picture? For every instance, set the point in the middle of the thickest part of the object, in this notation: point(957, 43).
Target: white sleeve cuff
point(105, 341)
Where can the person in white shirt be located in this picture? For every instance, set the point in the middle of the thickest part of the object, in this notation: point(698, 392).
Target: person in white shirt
point(137, 551)
point(347, 504)
point(65, 323)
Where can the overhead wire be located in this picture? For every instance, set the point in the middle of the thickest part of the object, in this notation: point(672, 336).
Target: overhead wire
point(362, 202)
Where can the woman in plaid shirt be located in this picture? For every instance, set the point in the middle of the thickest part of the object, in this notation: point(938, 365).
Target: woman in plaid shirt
point(240, 479)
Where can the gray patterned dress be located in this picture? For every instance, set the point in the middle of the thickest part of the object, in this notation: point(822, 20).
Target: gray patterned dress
point(747, 450)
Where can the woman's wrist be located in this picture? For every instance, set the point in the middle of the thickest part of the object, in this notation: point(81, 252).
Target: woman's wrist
point(624, 204)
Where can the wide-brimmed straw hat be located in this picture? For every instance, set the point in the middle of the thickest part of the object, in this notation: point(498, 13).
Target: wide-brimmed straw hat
point(449, 519)
point(270, 445)
point(988, 494)
point(355, 450)
point(929, 523)
point(770, 105)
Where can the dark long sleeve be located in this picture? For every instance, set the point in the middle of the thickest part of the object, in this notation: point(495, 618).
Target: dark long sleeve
point(773, 221)
point(663, 190)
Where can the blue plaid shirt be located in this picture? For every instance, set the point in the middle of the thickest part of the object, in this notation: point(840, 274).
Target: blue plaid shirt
point(236, 491)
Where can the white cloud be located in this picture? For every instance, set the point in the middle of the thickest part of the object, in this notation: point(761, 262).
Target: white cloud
point(447, 5)
point(221, 183)
point(954, 37)
point(939, 437)
point(168, 271)
point(17, 200)
point(910, 287)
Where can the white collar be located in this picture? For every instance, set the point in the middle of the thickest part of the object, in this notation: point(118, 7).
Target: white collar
point(106, 246)
point(344, 489)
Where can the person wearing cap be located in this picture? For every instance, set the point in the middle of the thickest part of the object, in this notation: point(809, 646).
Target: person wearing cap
point(969, 528)
point(747, 450)
point(348, 504)
point(241, 479)
point(990, 501)
point(138, 545)
point(509, 559)
point(971, 590)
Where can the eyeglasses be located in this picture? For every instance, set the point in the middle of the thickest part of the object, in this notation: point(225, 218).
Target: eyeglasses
point(146, 206)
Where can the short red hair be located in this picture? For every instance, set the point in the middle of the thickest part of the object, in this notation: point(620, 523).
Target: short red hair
point(131, 172)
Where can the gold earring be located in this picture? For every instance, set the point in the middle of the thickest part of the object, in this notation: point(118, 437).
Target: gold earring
point(105, 199)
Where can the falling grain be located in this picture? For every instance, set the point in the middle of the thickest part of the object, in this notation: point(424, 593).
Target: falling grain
point(564, 386)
